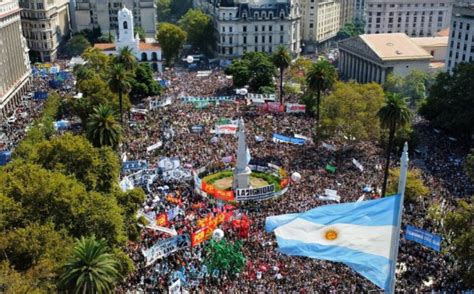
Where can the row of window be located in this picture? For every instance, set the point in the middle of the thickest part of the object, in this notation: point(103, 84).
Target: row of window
point(407, 13)
point(244, 39)
point(407, 5)
point(468, 25)
point(244, 28)
point(256, 15)
point(407, 19)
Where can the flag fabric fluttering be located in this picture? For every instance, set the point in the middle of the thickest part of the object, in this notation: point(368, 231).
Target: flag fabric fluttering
point(358, 234)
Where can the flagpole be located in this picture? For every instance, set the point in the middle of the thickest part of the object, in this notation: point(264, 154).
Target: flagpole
point(396, 238)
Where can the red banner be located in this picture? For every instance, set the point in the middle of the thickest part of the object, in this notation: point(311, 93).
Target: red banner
point(284, 182)
point(224, 195)
point(198, 236)
point(162, 220)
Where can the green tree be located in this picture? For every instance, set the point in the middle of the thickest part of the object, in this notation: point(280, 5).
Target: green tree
point(460, 236)
point(143, 84)
point(76, 45)
point(320, 78)
point(126, 57)
point(282, 60)
point(449, 104)
point(90, 269)
point(163, 9)
point(171, 39)
point(469, 165)
point(351, 29)
point(199, 29)
point(96, 60)
point(120, 83)
point(393, 115)
point(255, 69)
point(414, 86)
point(350, 112)
point(103, 128)
point(415, 187)
point(225, 256)
point(240, 71)
point(97, 169)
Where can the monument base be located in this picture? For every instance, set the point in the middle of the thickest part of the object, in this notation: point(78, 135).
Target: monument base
point(242, 179)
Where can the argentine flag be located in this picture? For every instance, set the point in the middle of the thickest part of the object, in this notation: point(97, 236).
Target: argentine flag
point(358, 234)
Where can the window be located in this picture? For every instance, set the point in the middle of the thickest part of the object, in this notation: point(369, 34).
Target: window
point(263, 28)
point(244, 28)
point(230, 41)
point(263, 39)
point(310, 25)
point(270, 39)
point(281, 39)
point(223, 29)
point(230, 29)
point(245, 39)
point(125, 25)
point(281, 28)
point(256, 28)
point(223, 39)
point(270, 28)
point(256, 39)
point(231, 50)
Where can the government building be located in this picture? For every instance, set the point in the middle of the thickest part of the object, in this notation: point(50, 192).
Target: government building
point(461, 36)
point(254, 26)
point(14, 63)
point(371, 58)
point(417, 18)
point(46, 24)
point(149, 51)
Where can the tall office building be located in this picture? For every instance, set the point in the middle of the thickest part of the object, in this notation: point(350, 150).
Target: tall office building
point(321, 21)
point(461, 36)
point(103, 13)
point(14, 63)
point(258, 25)
point(45, 25)
point(415, 18)
point(359, 9)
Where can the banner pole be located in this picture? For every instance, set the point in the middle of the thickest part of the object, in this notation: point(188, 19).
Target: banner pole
point(396, 237)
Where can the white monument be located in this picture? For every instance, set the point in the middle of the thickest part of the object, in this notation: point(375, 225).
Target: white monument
point(242, 171)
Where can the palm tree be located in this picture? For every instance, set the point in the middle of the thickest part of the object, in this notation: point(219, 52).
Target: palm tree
point(321, 76)
point(126, 58)
point(120, 83)
point(90, 269)
point(394, 114)
point(281, 59)
point(102, 127)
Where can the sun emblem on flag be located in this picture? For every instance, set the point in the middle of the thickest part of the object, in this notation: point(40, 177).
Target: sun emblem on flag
point(331, 234)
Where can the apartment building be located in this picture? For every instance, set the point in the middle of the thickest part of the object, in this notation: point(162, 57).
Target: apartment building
point(461, 36)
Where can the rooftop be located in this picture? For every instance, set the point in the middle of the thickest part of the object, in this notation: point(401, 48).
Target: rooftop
point(443, 33)
point(431, 41)
point(396, 46)
point(142, 47)
point(105, 46)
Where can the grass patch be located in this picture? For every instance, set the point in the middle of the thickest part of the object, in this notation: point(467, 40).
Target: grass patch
point(270, 179)
point(217, 176)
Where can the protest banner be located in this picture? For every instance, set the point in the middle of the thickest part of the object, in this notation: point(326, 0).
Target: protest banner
point(165, 248)
point(423, 237)
point(330, 168)
point(161, 220)
point(329, 146)
point(228, 129)
point(172, 232)
point(198, 236)
point(254, 193)
point(273, 107)
point(134, 165)
point(196, 129)
point(357, 164)
point(154, 146)
point(277, 138)
point(175, 287)
point(295, 108)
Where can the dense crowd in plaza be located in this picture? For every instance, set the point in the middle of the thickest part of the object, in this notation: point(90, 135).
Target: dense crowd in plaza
point(266, 270)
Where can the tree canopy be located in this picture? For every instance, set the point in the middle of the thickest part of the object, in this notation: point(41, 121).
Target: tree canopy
point(350, 112)
point(351, 29)
point(415, 86)
point(171, 38)
point(254, 69)
point(415, 186)
point(199, 29)
point(450, 105)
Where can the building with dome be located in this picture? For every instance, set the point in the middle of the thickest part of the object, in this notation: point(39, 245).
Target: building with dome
point(145, 51)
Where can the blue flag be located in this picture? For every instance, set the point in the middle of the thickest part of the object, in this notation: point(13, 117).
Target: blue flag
point(358, 234)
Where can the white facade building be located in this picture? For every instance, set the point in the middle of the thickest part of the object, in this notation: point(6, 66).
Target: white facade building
point(359, 9)
point(461, 36)
point(14, 62)
point(148, 51)
point(100, 13)
point(321, 20)
point(258, 25)
point(371, 58)
point(415, 18)
point(45, 25)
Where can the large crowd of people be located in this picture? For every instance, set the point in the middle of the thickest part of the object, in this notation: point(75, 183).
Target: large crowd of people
point(420, 269)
